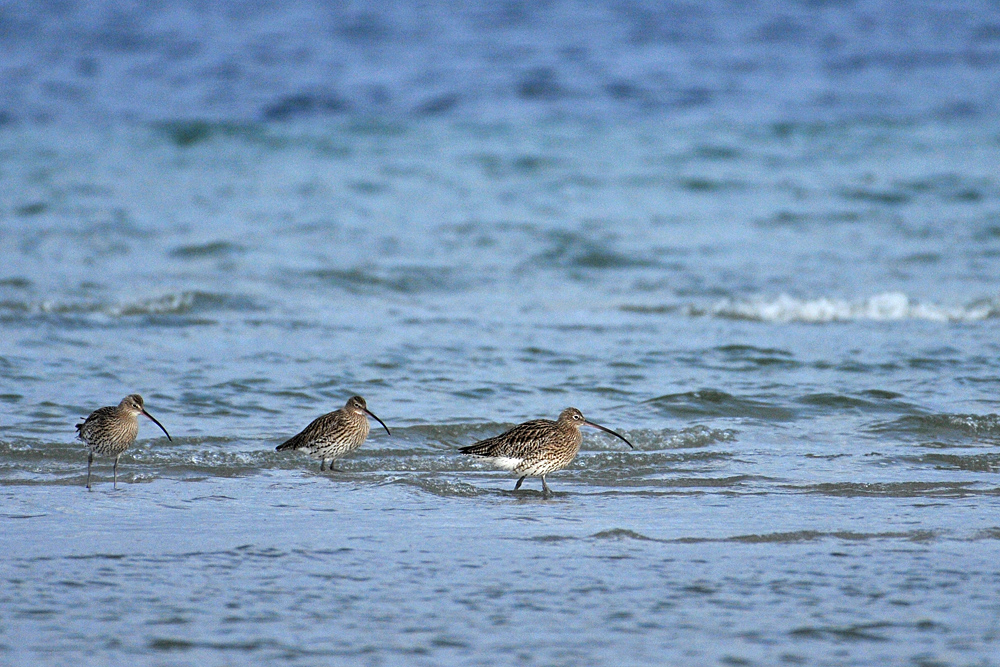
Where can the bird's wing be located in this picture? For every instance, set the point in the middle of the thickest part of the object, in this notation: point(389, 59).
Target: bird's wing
point(519, 442)
point(95, 417)
point(326, 422)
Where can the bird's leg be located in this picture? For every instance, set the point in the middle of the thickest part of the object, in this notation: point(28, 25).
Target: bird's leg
point(518, 485)
point(332, 469)
point(90, 459)
point(116, 473)
point(546, 491)
point(322, 464)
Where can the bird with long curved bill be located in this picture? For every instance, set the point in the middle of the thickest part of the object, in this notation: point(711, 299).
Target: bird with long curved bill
point(334, 434)
point(538, 447)
point(109, 431)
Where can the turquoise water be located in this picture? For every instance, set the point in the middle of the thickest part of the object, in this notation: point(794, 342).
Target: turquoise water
point(796, 325)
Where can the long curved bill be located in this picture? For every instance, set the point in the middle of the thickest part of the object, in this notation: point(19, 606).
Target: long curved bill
point(372, 415)
point(158, 424)
point(608, 430)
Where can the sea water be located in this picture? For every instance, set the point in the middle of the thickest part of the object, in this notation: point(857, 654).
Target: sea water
point(792, 313)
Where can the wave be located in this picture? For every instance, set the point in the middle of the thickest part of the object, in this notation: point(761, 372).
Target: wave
point(412, 448)
point(422, 457)
point(797, 536)
point(947, 427)
point(791, 537)
point(917, 489)
point(869, 401)
point(715, 403)
point(208, 250)
point(698, 436)
point(179, 303)
point(397, 280)
point(569, 250)
point(888, 306)
point(975, 463)
point(884, 307)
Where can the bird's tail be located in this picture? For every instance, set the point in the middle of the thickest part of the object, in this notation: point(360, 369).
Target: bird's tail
point(478, 449)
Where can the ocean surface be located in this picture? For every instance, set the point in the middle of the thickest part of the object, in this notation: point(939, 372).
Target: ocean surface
point(762, 242)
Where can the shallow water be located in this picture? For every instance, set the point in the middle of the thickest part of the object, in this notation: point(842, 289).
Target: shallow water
point(809, 376)
point(763, 248)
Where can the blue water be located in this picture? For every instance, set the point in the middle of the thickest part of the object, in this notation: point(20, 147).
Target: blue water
point(761, 243)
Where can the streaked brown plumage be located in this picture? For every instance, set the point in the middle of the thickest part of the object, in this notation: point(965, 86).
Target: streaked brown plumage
point(538, 447)
point(111, 430)
point(335, 433)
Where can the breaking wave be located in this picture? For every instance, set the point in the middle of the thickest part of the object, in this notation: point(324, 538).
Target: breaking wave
point(180, 303)
point(885, 307)
point(888, 306)
point(962, 427)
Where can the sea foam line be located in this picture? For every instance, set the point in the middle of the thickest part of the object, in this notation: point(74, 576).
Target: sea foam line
point(888, 306)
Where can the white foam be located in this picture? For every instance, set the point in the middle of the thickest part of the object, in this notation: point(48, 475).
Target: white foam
point(168, 304)
point(887, 306)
